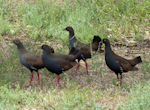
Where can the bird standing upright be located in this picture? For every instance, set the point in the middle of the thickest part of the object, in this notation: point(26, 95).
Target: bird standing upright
point(117, 63)
point(57, 63)
point(84, 48)
point(29, 60)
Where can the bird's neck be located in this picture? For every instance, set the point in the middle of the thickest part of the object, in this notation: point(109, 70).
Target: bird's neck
point(71, 33)
point(21, 48)
point(48, 52)
point(108, 50)
point(72, 39)
point(72, 36)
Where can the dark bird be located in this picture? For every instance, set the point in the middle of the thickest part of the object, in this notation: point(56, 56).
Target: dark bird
point(84, 48)
point(117, 63)
point(58, 63)
point(30, 60)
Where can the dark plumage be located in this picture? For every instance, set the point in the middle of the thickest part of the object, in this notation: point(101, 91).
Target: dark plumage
point(30, 60)
point(117, 63)
point(84, 48)
point(57, 63)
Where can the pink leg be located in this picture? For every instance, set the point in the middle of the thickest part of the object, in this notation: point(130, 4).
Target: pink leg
point(117, 78)
point(121, 76)
point(38, 77)
point(77, 66)
point(57, 80)
point(120, 80)
point(31, 79)
point(86, 67)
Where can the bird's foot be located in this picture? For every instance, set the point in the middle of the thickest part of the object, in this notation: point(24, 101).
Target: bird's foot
point(57, 85)
point(38, 81)
point(76, 72)
point(28, 85)
point(87, 73)
point(120, 82)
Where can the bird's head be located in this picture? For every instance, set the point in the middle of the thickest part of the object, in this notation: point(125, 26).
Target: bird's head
point(47, 48)
point(105, 41)
point(16, 41)
point(69, 28)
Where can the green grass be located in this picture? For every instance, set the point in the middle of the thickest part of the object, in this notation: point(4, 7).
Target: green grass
point(71, 98)
point(46, 20)
point(138, 97)
point(39, 21)
point(30, 98)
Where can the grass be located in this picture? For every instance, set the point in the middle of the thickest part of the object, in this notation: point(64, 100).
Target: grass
point(30, 98)
point(138, 97)
point(43, 21)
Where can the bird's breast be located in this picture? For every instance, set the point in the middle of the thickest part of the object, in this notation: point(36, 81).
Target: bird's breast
point(51, 65)
point(111, 63)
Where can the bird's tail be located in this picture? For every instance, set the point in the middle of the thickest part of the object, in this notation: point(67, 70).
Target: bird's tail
point(96, 44)
point(139, 59)
point(97, 39)
point(135, 61)
point(52, 49)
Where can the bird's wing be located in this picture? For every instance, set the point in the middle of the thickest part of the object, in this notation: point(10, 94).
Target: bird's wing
point(34, 60)
point(86, 54)
point(65, 57)
point(65, 64)
point(126, 66)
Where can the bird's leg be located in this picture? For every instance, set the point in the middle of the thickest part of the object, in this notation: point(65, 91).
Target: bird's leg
point(77, 66)
point(31, 78)
point(118, 79)
point(38, 77)
point(121, 76)
point(121, 80)
point(57, 80)
point(86, 67)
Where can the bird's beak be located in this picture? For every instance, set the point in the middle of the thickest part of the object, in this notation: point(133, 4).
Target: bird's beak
point(100, 42)
point(64, 29)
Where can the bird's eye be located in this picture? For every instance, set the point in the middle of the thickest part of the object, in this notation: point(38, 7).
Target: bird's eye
point(104, 40)
point(67, 27)
point(43, 46)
